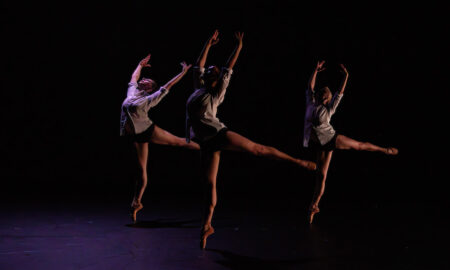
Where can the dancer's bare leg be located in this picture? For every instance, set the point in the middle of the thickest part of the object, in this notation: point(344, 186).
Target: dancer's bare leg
point(237, 142)
point(141, 181)
point(343, 142)
point(210, 167)
point(323, 159)
point(161, 136)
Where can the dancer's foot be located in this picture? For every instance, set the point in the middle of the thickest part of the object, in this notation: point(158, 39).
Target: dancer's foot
point(312, 211)
point(135, 207)
point(391, 151)
point(309, 165)
point(204, 235)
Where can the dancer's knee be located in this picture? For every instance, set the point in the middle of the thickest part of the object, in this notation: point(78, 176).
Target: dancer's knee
point(175, 142)
point(210, 182)
point(320, 175)
point(259, 149)
point(141, 170)
point(181, 143)
point(362, 146)
point(212, 204)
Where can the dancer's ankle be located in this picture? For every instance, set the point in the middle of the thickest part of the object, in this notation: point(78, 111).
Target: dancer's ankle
point(135, 202)
point(206, 227)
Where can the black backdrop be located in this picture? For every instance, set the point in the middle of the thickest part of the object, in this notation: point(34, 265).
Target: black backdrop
point(65, 69)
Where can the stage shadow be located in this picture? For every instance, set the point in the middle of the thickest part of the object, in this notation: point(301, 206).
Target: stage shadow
point(164, 223)
point(235, 261)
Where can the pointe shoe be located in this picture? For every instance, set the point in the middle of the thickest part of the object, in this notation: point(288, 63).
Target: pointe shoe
point(135, 207)
point(391, 151)
point(309, 165)
point(204, 235)
point(312, 212)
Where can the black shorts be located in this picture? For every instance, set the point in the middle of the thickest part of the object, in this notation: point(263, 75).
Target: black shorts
point(144, 136)
point(329, 146)
point(215, 143)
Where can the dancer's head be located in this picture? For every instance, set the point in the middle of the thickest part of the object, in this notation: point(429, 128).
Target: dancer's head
point(323, 95)
point(147, 85)
point(211, 76)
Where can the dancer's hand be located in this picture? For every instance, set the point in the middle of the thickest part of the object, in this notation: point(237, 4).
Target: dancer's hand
point(137, 72)
point(185, 67)
point(239, 36)
point(144, 62)
point(177, 78)
point(234, 56)
point(319, 66)
point(343, 69)
point(214, 39)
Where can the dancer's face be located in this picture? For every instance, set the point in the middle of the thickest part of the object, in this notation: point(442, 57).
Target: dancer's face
point(147, 85)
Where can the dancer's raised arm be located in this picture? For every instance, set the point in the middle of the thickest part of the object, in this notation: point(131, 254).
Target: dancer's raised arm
point(312, 80)
point(156, 97)
point(323, 139)
point(344, 81)
point(137, 72)
point(213, 40)
point(177, 78)
point(234, 56)
point(338, 95)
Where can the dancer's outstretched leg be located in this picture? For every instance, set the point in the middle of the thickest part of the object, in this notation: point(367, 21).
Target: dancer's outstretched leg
point(237, 142)
point(323, 159)
point(210, 167)
point(141, 181)
point(163, 137)
point(343, 142)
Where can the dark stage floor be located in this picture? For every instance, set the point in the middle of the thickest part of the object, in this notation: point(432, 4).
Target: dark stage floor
point(344, 236)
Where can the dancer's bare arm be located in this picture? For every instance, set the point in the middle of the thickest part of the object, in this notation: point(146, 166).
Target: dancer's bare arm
point(312, 81)
point(153, 99)
point(177, 78)
point(338, 95)
point(234, 56)
point(137, 72)
point(226, 72)
point(344, 81)
point(213, 40)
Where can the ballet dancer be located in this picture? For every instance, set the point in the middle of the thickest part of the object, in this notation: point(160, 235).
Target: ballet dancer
point(142, 95)
point(320, 135)
point(203, 126)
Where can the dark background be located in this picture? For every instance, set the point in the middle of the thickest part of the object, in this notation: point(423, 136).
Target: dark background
point(65, 69)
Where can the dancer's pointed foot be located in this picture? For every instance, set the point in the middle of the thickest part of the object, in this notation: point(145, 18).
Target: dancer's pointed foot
point(204, 235)
point(309, 165)
point(312, 212)
point(135, 207)
point(391, 151)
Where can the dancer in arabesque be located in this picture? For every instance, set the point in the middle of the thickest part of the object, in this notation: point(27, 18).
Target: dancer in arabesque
point(203, 126)
point(143, 95)
point(320, 135)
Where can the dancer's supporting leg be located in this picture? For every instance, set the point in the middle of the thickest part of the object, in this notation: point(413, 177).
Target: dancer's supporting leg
point(323, 159)
point(237, 142)
point(343, 142)
point(163, 137)
point(159, 136)
point(210, 167)
point(323, 162)
point(141, 181)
